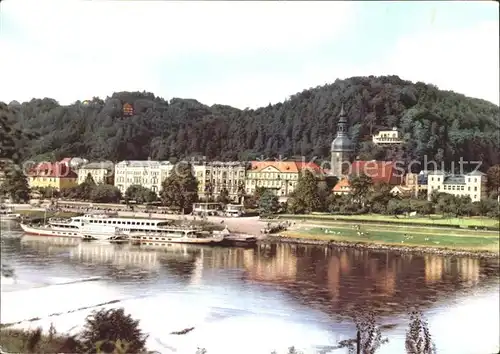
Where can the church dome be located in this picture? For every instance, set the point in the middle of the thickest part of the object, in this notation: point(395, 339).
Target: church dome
point(341, 143)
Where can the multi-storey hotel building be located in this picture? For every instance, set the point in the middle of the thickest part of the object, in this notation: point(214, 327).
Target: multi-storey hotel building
point(149, 174)
point(214, 176)
point(472, 185)
point(279, 176)
point(101, 172)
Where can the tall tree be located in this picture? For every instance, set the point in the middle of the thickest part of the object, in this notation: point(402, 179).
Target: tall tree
point(241, 192)
point(418, 337)
point(493, 175)
point(305, 198)
point(180, 189)
point(223, 196)
point(268, 203)
point(85, 188)
point(140, 194)
point(209, 191)
point(105, 193)
point(15, 186)
point(360, 187)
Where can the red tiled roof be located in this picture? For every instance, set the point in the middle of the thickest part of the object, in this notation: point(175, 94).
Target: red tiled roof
point(52, 169)
point(313, 167)
point(344, 182)
point(378, 171)
point(281, 166)
point(286, 166)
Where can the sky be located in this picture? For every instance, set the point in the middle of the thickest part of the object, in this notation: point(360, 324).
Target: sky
point(243, 54)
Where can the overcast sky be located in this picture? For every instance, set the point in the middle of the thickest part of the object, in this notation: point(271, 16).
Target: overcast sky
point(245, 54)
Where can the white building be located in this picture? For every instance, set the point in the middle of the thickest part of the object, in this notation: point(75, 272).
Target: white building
point(101, 172)
point(149, 174)
point(387, 137)
point(217, 175)
point(472, 184)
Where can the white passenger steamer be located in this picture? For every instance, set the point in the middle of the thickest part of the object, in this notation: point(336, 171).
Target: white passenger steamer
point(106, 227)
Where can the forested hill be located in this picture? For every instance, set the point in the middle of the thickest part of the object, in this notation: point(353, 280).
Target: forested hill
point(440, 124)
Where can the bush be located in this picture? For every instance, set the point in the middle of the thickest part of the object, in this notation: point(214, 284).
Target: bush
point(106, 330)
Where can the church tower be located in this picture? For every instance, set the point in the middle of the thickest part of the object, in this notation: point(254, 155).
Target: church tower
point(341, 146)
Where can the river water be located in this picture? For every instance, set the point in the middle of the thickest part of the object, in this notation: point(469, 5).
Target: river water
point(252, 300)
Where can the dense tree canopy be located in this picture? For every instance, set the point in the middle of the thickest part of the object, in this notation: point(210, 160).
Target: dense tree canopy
point(180, 189)
point(441, 125)
point(140, 194)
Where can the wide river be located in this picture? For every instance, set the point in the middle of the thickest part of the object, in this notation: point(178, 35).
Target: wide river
point(252, 300)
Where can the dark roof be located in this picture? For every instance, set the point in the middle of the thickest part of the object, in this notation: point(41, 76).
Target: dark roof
point(454, 180)
point(98, 165)
point(476, 173)
point(341, 143)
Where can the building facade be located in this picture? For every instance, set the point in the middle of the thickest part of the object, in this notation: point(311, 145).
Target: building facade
point(214, 176)
point(57, 175)
point(471, 185)
point(149, 174)
point(387, 137)
point(342, 187)
point(279, 176)
point(417, 183)
point(101, 172)
point(341, 148)
point(380, 172)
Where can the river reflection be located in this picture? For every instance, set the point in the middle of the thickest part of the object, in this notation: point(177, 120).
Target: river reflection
point(338, 282)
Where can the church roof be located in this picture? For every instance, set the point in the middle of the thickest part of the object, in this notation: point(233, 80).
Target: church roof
point(342, 141)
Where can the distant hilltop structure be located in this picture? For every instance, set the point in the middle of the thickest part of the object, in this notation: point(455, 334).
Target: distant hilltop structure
point(128, 110)
point(387, 137)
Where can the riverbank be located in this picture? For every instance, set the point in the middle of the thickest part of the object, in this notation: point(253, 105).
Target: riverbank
point(430, 221)
point(292, 237)
point(344, 231)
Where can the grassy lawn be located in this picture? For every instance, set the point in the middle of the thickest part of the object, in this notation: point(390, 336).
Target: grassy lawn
point(470, 242)
point(402, 228)
point(436, 220)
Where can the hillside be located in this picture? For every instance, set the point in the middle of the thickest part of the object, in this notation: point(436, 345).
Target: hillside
point(440, 124)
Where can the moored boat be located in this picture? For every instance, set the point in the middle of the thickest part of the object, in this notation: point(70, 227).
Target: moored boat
point(236, 239)
point(171, 235)
point(8, 214)
point(95, 227)
point(50, 231)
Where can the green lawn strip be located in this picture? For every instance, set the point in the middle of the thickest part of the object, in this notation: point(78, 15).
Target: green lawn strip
point(396, 237)
point(405, 229)
point(432, 221)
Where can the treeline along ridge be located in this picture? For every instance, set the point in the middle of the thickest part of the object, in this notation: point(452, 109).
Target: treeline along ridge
point(441, 125)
